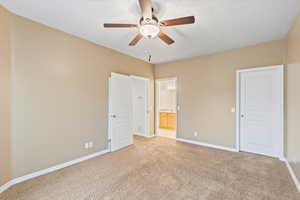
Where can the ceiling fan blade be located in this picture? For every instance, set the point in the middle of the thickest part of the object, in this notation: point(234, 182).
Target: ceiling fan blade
point(179, 21)
point(119, 25)
point(165, 38)
point(136, 40)
point(146, 9)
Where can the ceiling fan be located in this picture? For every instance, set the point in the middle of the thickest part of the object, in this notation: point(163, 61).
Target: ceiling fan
point(150, 27)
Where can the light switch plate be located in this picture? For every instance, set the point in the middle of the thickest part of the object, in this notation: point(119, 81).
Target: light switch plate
point(91, 144)
point(86, 145)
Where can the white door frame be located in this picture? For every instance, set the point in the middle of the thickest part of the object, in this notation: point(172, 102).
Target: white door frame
point(238, 96)
point(147, 106)
point(157, 104)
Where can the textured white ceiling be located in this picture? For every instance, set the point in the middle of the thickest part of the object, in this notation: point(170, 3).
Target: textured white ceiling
point(220, 24)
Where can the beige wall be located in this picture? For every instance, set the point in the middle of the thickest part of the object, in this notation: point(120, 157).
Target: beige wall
point(60, 94)
point(60, 87)
point(5, 96)
point(293, 97)
point(206, 89)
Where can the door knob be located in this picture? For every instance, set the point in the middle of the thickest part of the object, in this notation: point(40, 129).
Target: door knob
point(114, 116)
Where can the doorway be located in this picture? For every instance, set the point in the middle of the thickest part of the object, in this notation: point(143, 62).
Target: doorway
point(260, 107)
point(141, 108)
point(166, 107)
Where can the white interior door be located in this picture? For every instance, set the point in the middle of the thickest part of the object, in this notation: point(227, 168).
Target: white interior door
point(261, 111)
point(141, 112)
point(120, 111)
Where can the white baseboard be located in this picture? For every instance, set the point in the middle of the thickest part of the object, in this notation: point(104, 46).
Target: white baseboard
point(147, 136)
point(150, 136)
point(207, 145)
point(293, 175)
point(6, 186)
point(49, 170)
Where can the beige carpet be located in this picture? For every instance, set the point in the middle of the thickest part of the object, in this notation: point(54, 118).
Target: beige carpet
point(161, 168)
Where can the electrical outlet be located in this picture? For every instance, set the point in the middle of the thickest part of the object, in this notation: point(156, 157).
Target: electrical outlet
point(86, 145)
point(91, 144)
point(195, 133)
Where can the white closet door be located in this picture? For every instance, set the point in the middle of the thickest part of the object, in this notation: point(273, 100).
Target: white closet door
point(120, 108)
point(140, 87)
point(261, 111)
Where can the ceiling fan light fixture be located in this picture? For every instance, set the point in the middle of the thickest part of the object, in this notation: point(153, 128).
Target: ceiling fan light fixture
point(149, 30)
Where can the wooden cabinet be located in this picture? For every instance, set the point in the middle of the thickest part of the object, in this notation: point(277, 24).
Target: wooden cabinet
point(163, 120)
point(167, 120)
point(172, 120)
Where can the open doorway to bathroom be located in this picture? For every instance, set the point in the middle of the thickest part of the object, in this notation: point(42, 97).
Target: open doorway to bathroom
point(166, 107)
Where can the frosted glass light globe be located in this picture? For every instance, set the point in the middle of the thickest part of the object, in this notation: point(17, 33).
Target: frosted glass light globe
point(149, 30)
